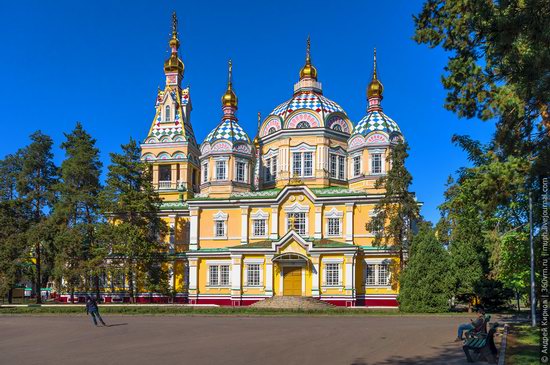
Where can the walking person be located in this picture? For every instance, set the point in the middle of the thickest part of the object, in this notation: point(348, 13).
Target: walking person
point(93, 310)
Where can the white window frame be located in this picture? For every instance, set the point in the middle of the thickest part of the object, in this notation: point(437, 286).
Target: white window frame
point(220, 266)
point(167, 113)
point(254, 262)
point(354, 158)
point(333, 263)
point(297, 208)
point(377, 152)
point(218, 164)
point(334, 214)
point(298, 157)
point(220, 218)
point(377, 265)
point(244, 165)
point(205, 172)
point(259, 215)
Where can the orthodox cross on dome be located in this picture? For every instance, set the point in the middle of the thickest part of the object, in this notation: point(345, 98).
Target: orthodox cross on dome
point(308, 71)
point(229, 99)
point(174, 25)
point(375, 89)
point(173, 66)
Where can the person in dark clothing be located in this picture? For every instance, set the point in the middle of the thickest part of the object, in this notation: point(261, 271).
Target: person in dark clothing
point(93, 310)
point(474, 323)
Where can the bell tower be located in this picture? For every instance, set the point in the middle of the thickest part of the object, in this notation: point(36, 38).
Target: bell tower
point(170, 146)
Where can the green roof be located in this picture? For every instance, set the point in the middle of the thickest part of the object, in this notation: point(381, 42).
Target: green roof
point(335, 191)
point(325, 243)
point(259, 244)
point(171, 205)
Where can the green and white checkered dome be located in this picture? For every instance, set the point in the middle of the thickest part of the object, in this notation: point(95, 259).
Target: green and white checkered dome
point(376, 121)
point(228, 130)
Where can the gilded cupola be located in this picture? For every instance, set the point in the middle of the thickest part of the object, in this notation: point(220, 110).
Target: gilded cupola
point(174, 63)
point(229, 98)
point(375, 88)
point(308, 71)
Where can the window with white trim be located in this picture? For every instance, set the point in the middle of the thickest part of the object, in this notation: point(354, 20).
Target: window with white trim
point(302, 164)
point(221, 170)
point(297, 221)
point(356, 166)
point(270, 168)
point(377, 274)
point(332, 274)
point(376, 163)
point(337, 166)
point(205, 172)
point(241, 171)
point(167, 113)
point(218, 275)
point(334, 226)
point(253, 277)
point(259, 228)
point(219, 230)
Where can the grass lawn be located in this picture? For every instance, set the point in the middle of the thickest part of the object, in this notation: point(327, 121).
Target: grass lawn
point(180, 310)
point(523, 345)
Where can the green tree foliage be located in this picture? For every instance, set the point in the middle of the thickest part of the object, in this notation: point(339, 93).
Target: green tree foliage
point(13, 220)
point(80, 254)
point(398, 209)
point(132, 205)
point(35, 186)
point(425, 283)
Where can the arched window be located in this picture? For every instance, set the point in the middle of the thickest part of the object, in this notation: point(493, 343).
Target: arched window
point(337, 127)
point(167, 113)
point(302, 125)
point(271, 130)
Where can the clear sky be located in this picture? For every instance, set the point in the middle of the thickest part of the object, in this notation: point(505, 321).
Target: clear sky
point(100, 62)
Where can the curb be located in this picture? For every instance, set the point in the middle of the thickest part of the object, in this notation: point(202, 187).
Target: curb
point(502, 352)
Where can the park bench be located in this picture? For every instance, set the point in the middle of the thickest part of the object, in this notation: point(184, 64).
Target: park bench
point(482, 346)
point(480, 331)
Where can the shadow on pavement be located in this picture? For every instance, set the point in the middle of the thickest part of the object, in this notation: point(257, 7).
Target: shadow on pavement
point(117, 324)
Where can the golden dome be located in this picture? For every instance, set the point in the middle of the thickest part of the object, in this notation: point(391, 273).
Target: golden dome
point(308, 71)
point(174, 63)
point(375, 88)
point(229, 98)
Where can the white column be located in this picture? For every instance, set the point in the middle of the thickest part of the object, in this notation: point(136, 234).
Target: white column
point(244, 224)
point(236, 264)
point(318, 221)
point(193, 278)
point(194, 229)
point(171, 283)
point(349, 222)
point(172, 228)
point(348, 282)
point(268, 275)
point(315, 277)
point(274, 222)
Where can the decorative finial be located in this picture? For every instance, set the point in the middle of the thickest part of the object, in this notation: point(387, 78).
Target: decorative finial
point(308, 47)
point(259, 121)
point(374, 75)
point(308, 71)
point(229, 98)
point(174, 25)
point(230, 72)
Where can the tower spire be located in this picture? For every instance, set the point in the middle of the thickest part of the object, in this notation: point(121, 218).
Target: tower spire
point(173, 66)
point(229, 98)
point(375, 88)
point(308, 71)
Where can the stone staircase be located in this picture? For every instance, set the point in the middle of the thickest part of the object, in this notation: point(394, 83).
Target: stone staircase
point(292, 302)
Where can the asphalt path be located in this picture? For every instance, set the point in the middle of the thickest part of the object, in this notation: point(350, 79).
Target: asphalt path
point(209, 340)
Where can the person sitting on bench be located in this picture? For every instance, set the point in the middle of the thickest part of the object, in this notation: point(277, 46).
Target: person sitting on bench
point(474, 324)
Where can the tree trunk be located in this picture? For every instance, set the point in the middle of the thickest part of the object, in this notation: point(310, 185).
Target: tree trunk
point(72, 295)
point(10, 296)
point(131, 285)
point(38, 279)
point(97, 291)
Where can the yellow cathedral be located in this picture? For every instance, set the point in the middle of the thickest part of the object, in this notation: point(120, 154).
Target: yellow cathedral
point(284, 214)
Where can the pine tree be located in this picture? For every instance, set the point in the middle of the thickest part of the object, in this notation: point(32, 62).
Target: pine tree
point(132, 206)
point(13, 221)
point(425, 281)
point(35, 186)
point(77, 211)
point(398, 210)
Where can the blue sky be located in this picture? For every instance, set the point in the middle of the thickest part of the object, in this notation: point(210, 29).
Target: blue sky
point(101, 62)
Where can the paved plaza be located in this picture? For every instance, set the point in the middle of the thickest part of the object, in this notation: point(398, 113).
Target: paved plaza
point(273, 340)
